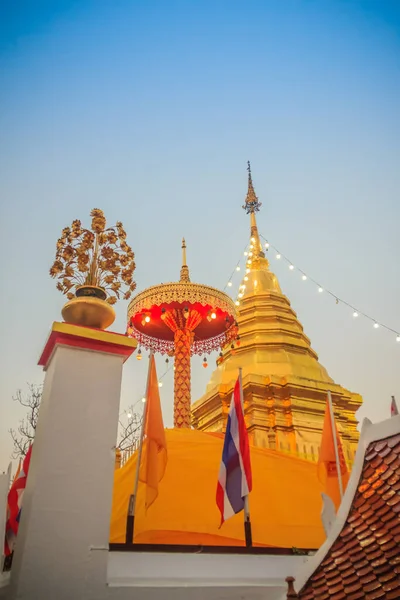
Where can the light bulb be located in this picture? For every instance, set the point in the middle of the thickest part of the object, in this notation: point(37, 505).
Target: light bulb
point(320, 289)
point(245, 253)
point(143, 399)
point(278, 256)
point(291, 267)
point(246, 278)
point(304, 277)
point(355, 314)
point(213, 315)
point(253, 239)
point(129, 415)
point(398, 338)
point(229, 283)
point(238, 268)
point(250, 254)
point(147, 319)
point(266, 245)
point(160, 384)
point(247, 270)
point(237, 303)
point(240, 295)
point(376, 325)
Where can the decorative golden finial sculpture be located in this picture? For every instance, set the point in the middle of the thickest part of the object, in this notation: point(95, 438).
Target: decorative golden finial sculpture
point(185, 269)
point(99, 265)
point(251, 206)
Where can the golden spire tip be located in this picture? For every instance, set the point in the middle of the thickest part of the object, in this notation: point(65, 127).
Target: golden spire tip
point(185, 268)
point(249, 169)
point(251, 203)
point(251, 206)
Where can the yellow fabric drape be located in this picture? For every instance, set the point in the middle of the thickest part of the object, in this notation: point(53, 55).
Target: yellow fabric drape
point(154, 453)
point(285, 503)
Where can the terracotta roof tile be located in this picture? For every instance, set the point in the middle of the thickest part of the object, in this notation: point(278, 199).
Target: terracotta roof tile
point(394, 477)
point(356, 595)
point(364, 561)
point(376, 594)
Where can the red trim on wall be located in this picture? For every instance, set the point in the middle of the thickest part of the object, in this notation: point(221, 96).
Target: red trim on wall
point(64, 339)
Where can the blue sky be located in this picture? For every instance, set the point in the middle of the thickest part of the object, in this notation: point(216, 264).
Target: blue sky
point(150, 110)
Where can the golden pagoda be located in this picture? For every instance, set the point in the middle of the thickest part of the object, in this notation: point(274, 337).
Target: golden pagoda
point(285, 387)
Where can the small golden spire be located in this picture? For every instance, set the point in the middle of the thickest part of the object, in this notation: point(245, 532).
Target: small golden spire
point(252, 205)
point(185, 269)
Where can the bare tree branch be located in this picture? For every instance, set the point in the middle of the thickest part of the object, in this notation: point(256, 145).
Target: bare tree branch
point(23, 437)
point(129, 430)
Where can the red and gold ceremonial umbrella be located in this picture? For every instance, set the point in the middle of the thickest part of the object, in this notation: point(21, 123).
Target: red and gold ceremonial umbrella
point(181, 319)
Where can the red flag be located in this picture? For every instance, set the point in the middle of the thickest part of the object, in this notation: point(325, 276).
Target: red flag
point(15, 496)
point(393, 408)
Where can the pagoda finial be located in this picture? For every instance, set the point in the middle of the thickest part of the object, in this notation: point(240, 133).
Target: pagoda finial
point(251, 206)
point(185, 269)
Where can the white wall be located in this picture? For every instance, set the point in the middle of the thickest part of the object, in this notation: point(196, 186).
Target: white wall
point(4, 488)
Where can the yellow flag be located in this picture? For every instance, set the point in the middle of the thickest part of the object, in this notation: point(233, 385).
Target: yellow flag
point(154, 457)
point(327, 468)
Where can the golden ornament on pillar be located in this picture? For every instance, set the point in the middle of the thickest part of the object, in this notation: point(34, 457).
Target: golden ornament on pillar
point(89, 308)
point(98, 264)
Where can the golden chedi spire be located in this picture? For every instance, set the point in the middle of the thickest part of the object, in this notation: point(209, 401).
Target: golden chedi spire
point(258, 277)
point(185, 278)
point(285, 387)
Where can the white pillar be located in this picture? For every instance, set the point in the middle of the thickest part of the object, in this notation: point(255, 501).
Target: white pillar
point(67, 503)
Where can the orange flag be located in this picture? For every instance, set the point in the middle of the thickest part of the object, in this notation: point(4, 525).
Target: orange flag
point(327, 469)
point(154, 457)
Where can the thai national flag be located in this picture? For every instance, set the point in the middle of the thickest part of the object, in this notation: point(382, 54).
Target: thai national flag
point(15, 496)
point(234, 481)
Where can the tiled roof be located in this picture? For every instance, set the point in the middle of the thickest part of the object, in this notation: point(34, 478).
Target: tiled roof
point(364, 560)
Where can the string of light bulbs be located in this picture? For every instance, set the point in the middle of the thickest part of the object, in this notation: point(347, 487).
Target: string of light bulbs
point(305, 277)
point(237, 268)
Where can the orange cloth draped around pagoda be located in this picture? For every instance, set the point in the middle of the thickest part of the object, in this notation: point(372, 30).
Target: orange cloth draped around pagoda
point(285, 503)
point(154, 455)
point(327, 469)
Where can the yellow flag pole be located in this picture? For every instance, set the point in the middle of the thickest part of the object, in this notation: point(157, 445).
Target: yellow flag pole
point(130, 519)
